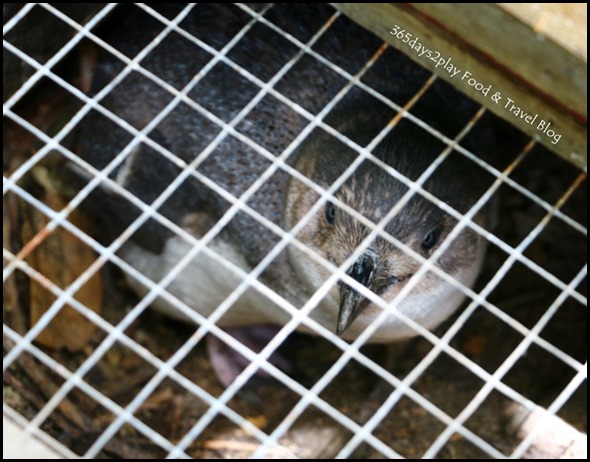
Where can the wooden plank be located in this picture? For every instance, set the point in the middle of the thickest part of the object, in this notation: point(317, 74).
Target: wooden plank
point(564, 23)
point(522, 37)
point(484, 52)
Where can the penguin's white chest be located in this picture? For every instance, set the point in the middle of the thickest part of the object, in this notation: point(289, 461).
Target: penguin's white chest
point(204, 283)
point(427, 305)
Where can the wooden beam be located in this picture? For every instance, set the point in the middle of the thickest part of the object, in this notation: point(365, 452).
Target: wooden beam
point(531, 56)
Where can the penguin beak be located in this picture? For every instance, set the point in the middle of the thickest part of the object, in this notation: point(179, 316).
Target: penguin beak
point(351, 302)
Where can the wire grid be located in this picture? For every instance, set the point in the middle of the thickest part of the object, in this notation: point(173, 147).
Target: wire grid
point(309, 396)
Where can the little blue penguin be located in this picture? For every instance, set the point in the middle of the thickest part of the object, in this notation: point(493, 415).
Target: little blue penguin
point(331, 233)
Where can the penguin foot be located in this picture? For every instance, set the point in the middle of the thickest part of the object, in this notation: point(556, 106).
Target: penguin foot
point(228, 363)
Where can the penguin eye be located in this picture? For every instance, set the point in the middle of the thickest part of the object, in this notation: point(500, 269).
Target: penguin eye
point(330, 213)
point(431, 239)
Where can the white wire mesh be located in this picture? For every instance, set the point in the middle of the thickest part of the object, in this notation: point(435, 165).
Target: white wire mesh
point(270, 440)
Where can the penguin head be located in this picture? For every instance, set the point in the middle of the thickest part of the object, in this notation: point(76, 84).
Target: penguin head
point(373, 189)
